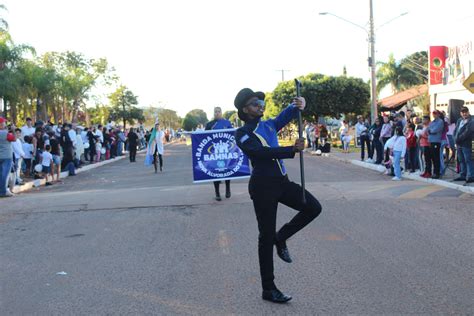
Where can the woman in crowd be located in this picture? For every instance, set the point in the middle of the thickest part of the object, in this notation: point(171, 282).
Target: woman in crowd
point(398, 145)
point(425, 147)
point(345, 137)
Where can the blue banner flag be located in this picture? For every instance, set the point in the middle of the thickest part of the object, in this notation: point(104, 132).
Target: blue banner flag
point(217, 157)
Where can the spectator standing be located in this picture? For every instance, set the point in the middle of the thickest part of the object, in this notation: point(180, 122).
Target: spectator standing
point(345, 137)
point(132, 138)
point(451, 149)
point(120, 141)
point(28, 149)
point(463, 136)
point(307, 130)
point(55, 166)
point(18, 155)
point(425, 147)
point(46, 163)
point(435, 131)
point(386, 131)
point(362, 132)
point(398, 145)
point(6, 157)
point(411, 147)
point(377, 144)
point(91, 137)
point(79, 148)
point(28, 129)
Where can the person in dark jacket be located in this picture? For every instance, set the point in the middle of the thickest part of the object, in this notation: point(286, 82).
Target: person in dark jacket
point(132, 138)
point(377, 144)
point(463, 136)
point(269, 183)
point(219, 123)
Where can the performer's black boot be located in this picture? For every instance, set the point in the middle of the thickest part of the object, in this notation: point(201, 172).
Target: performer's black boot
point(275, 296)
point(227, 188)
point(282, 251)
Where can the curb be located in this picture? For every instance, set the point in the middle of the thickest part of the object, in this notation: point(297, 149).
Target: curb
point(415, 177)
point(41, 182)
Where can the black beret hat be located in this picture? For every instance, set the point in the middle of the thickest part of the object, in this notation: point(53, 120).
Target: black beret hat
point(242, 97)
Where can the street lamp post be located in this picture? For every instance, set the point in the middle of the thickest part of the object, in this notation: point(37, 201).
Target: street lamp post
point(372, 63)
point(373, 82)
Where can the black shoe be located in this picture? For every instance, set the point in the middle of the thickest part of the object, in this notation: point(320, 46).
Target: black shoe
point(227, 194)
point(218, 198)
point(471, 180)
point(459, 179)
point(435, 176)
point(275, 296)
point(282, 252)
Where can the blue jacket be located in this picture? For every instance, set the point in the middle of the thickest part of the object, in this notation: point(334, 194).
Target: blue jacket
point(435, 131)
point(218, 124)
point(259, 141)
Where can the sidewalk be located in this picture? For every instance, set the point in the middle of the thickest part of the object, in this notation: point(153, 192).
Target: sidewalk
point(34, 183)
point(354, 158)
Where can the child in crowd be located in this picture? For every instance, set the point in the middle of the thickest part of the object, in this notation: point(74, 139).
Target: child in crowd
point(411, 146)
point(98, 149)
point(46, 163)
point(28, 148)
point(398, 144)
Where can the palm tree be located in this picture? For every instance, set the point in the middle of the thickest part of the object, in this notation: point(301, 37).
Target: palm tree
point(396, 75)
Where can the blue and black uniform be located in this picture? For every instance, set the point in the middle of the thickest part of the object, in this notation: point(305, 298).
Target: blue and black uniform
point(213, 125)
point(269, 185)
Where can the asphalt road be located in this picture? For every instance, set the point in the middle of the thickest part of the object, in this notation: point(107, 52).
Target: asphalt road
point(134, 242)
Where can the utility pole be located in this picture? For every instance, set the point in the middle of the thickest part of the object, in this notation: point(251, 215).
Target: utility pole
point(282, 73)
point(372, 64)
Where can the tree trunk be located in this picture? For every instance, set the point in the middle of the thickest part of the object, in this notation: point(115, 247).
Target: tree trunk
point(13, 112)
point(38, 108)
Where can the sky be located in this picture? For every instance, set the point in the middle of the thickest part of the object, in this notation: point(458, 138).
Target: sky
point(185, 54)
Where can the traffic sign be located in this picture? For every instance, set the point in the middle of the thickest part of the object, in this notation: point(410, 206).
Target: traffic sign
point(469, 83)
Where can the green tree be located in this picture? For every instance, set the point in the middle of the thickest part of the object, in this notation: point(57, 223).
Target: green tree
point(193, 118)
point(122, 106)
point(228, 114)
point(325, 95)
point(398, 75)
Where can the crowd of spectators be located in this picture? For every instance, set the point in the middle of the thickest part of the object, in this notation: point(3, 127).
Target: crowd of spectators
point(41, 150)
point(425, 144)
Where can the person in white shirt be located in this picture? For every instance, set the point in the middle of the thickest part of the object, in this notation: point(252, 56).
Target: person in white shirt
point(99, 133)
point(362, 132)
point(28, 129)
point(46, 163)
point(79, 147)
point(398, 145)
point(18, 153)
point(28, 149)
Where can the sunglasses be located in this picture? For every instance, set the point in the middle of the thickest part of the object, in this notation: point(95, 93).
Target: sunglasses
point(256, 103)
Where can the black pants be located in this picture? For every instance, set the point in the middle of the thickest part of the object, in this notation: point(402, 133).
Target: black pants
point(133, 152)
point(412, 159)
point(378, 146)
point(365, 140)
point(427, 154)
point(218, 183)
point(435, 157)
point(266, 193)
point(160, 158)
